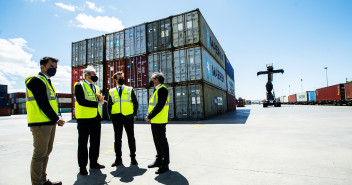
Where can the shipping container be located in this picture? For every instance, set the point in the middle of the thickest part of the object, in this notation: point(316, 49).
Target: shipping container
point(95, 50)
point(79, 53)
point(191, 28)
point(5, 104)
point(302, 98)
point(3, 88)
point(115, 46)
point(4, 96)
point(143, 98)
point(77, 75)
point(159, 35)
point(18, 100)
point(348, 93)
point(171, 101)
point(192, 103)
point(65, 110)
point(17, 95)
point(230, 85)
point(161, 62)
point(65, 105)
point(229, 69)
point(110, 69)
point(136, 72)
point(135, 41)
point(99, 71)
point(197, 64)
point(5, 111)
point(63, 95)
point(231, 102)
point(292, 99)
point(74, 55)
point(311, 97)
point(333, 94)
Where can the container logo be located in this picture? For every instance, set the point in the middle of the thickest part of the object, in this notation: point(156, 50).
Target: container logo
point(217, 74)
point(216, 100)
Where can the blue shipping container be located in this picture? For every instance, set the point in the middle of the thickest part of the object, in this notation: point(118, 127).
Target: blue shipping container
point(3, 88)
point(3, 95)
point(229, 69)
point(5, 104)
point(311, 96)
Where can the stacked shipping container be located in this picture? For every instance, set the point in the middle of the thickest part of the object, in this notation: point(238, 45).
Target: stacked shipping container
point(5, 103)
point(183, 48)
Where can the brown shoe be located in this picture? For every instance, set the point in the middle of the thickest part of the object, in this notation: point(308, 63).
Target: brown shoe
point(116, 163)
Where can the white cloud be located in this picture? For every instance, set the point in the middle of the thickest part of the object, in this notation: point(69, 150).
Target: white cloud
point(16, 65)
point(93, 7)
point(66, 7)
point(100, 23)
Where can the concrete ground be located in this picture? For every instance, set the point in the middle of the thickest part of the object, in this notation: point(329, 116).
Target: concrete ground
point(288, 145)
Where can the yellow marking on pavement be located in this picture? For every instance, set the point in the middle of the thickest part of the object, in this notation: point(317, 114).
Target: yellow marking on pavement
point(109, 151)
point(196, 126)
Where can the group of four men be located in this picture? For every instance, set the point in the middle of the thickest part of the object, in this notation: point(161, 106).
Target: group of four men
point(43, 115)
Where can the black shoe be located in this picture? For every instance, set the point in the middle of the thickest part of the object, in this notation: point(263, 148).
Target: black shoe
point(50, 183)
point(133, 161)
point(162, 169)
point(116, 163)
point(97, 166)
point(155, 164)
point(83, 171)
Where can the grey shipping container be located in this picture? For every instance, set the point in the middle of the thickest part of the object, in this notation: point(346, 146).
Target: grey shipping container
point(115, 47)
point(143, 98)
point(96, 50)
point(159, 35)
point(191, 28)
point(74, 59)
point(197, 64)
point(171, 101)
point(161, 62)
point(99, 70)
point(230, 85)
point(302, 98)
point(135, 41)
point(193, 103)
point(79, 53)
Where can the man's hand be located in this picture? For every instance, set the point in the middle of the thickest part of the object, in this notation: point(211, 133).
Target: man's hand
point(147, 119)
point(101, 102)
point(100, 97)
point(61, 122)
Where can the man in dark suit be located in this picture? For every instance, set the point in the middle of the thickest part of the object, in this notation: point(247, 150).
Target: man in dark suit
point(122, 108)
point(43, 116)
point(88, 114)
point(158, 117)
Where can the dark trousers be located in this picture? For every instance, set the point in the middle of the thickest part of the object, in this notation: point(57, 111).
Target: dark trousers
point(161, 144)
point(119, 122)
point(88, 128)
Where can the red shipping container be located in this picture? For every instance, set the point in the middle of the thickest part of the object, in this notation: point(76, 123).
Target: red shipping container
point(73, 108)
point(292, 98)
point(348, 91)
point(77, 75)
point(65, 105)
point(63, 95)
point(334, 92)
point(136, 74)
point(5, 111)
point(231, 102)
point(111, 68)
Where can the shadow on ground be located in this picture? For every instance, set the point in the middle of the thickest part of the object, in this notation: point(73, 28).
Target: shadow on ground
point(127, 174)
point(95, 177)
point(171, 178)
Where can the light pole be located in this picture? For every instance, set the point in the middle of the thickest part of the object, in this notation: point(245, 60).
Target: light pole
point(326, 69)
point(301, 84)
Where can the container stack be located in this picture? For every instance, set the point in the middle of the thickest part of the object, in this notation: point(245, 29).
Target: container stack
point(5, 103)
point(18, 100)
point(65, 102)
point(182, 47)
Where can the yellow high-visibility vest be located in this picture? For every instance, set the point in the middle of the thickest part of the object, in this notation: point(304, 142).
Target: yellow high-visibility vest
point(124, 103)
point(163, 115)
point(83, 112)
point(35, 115)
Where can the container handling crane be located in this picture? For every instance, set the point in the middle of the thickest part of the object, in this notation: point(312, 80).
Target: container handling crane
point(270, 97)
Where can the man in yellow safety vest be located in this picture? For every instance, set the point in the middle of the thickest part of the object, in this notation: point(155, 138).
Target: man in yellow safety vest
point(88, 114)
point(43, 116)
point(122, 108)
point(157, 116)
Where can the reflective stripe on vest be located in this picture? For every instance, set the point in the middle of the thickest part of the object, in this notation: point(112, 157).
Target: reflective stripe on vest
point(34, 114)
point(163, 115)
point(124, 103)
point(83, 112)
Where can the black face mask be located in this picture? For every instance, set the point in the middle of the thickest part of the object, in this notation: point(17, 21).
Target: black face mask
point(121, 81)
point(94, 78)
point(151, 83)
point(51, 71)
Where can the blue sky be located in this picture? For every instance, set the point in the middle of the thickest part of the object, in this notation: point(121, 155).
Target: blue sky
point(301, 37)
